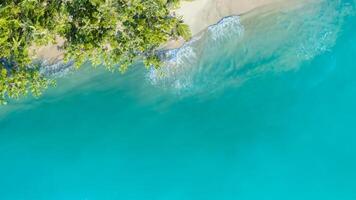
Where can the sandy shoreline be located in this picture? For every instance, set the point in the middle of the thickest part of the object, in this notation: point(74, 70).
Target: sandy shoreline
point(200, 14)
point(197, 14)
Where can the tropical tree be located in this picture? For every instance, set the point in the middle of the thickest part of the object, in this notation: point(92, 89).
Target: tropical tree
point(114, 33)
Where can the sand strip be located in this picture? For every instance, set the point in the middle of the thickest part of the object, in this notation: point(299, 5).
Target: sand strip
point(198, 14)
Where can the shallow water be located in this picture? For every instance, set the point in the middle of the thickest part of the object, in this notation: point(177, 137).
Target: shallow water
point(263, 110)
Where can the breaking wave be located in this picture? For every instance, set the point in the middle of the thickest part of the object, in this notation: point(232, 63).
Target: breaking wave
point(242, 47)
point(55, 69)
point(182, 64)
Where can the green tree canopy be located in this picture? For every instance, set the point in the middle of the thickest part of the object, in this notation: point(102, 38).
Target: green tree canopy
point(109, 32)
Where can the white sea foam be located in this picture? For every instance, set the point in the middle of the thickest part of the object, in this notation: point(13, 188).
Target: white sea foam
point(227, 28)
point(180, 64)
point(55, 69)
point(237, 49)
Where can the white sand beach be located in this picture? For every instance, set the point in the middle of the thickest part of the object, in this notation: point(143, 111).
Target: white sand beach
point(51, 53)
point(198, 14)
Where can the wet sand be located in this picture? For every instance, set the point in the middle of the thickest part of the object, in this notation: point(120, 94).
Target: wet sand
point(198, 14)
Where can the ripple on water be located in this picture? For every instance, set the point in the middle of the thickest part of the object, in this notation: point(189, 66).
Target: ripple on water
point(239, 48)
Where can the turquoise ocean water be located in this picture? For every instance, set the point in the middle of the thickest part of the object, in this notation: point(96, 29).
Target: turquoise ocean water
point(257, 107)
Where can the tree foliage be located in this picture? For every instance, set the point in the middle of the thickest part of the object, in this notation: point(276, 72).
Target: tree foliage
point(110, 32)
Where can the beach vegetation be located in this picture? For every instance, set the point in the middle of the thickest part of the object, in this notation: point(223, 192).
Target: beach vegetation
point(112, 33)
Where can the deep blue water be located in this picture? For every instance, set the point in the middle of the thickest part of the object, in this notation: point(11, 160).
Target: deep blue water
point(267, 112)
